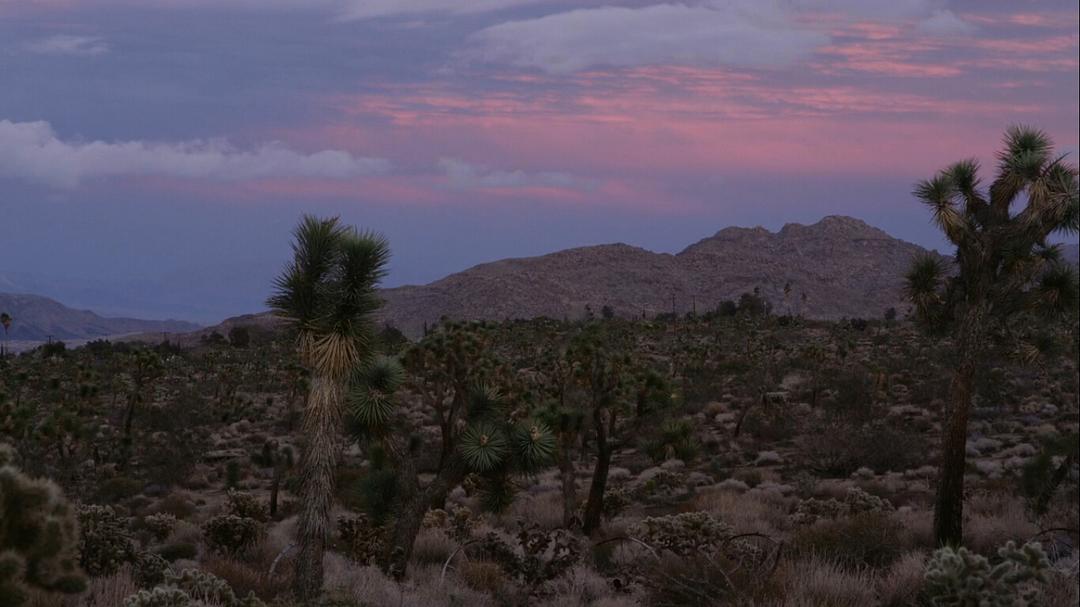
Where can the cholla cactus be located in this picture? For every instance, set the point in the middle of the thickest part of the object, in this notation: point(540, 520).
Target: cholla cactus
point(856, 501)
point(684, 534)
point(105, 543)
point(38, 537)
point(230, 534)
point(246, 505)
point(859, 501)
point(159, 525)
point(960, 578)
point(191, 588)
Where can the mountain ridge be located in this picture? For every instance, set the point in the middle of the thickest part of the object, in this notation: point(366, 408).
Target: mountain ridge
point(38, 318)
point(844, 266)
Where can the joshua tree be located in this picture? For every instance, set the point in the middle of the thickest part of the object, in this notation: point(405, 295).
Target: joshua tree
point(146, 367)
point(1004, 268)
point(328, 296)
point(482, 432)
point(603, 369)
point(5, 320)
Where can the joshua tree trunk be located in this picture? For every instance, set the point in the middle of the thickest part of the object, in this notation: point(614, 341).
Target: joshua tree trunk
point(949, 508)
point(567, 474)
point(594, 508)
point(275, 486)
point(320, 427)
point(1042, 501)
point(127, 440)
point(412, 503)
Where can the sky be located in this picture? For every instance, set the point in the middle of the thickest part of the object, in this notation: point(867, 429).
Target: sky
point(154, 156)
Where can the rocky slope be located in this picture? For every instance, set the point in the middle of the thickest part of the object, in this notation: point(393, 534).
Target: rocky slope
point(841, 265)
point(38, 318)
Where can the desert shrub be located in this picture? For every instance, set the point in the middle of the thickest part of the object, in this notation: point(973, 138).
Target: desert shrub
point(105, 543)
point(616, 500)
point(179, 550)
point(191, 588)
point(538, 556)
point(856, 501)
point(960, 577)
point(482, 576)
point(878, 446)
point(360, 539)
point(159, 525)
point(38, 537)
point(375, 493)
point(148, 569)
point(232, 474)
point(675, 439)
point(432, 546)
point(231, 535)
point(245, 505)
point(705, 580)
point(177, 505)
point(872, 539)
point(684, 534)
point(250, 576)
point(118, 489)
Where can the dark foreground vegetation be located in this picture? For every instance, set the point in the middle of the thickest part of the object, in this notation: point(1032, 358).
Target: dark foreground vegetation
point(739, 458)
point(730, 458)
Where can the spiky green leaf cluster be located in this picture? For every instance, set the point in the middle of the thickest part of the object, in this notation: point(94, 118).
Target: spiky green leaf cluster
point(1003, 262)
point(328, 291)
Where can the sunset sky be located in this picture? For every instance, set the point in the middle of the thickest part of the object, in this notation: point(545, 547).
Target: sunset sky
point(155, 154)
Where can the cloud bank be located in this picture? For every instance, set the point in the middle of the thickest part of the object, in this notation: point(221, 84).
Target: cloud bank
point(739, 33)
point(465, 176)
point(64, 44)
point(33, 152)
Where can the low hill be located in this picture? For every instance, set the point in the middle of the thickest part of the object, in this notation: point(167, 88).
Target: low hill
point(37, 318)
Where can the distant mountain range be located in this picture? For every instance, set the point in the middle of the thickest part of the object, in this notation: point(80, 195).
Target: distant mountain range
point(837, 267)
point(38, 318)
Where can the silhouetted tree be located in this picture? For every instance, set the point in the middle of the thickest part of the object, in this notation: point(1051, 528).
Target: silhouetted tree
point(1004, 268)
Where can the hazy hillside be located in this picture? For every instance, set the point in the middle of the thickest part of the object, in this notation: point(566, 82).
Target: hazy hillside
point(843, 266)
point(38, 318)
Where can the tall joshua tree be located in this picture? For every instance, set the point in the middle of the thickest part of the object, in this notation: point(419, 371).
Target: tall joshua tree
point(1004, 269)
point(328, 295)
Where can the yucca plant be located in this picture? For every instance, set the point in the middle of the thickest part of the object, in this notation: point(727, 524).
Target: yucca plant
point(482, 434)
point(1004, 269)
point(327, 294)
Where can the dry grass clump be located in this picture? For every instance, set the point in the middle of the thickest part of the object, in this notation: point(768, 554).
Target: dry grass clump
point(482, 576)
point(902, 582)
point(995, 518)
point(106, 591)
point(820, 582)
point(758, 512)
point(544, 509)
point(873, 539)
point(432, 547)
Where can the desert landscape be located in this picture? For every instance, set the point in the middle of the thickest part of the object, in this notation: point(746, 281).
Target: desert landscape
point(514, 303)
